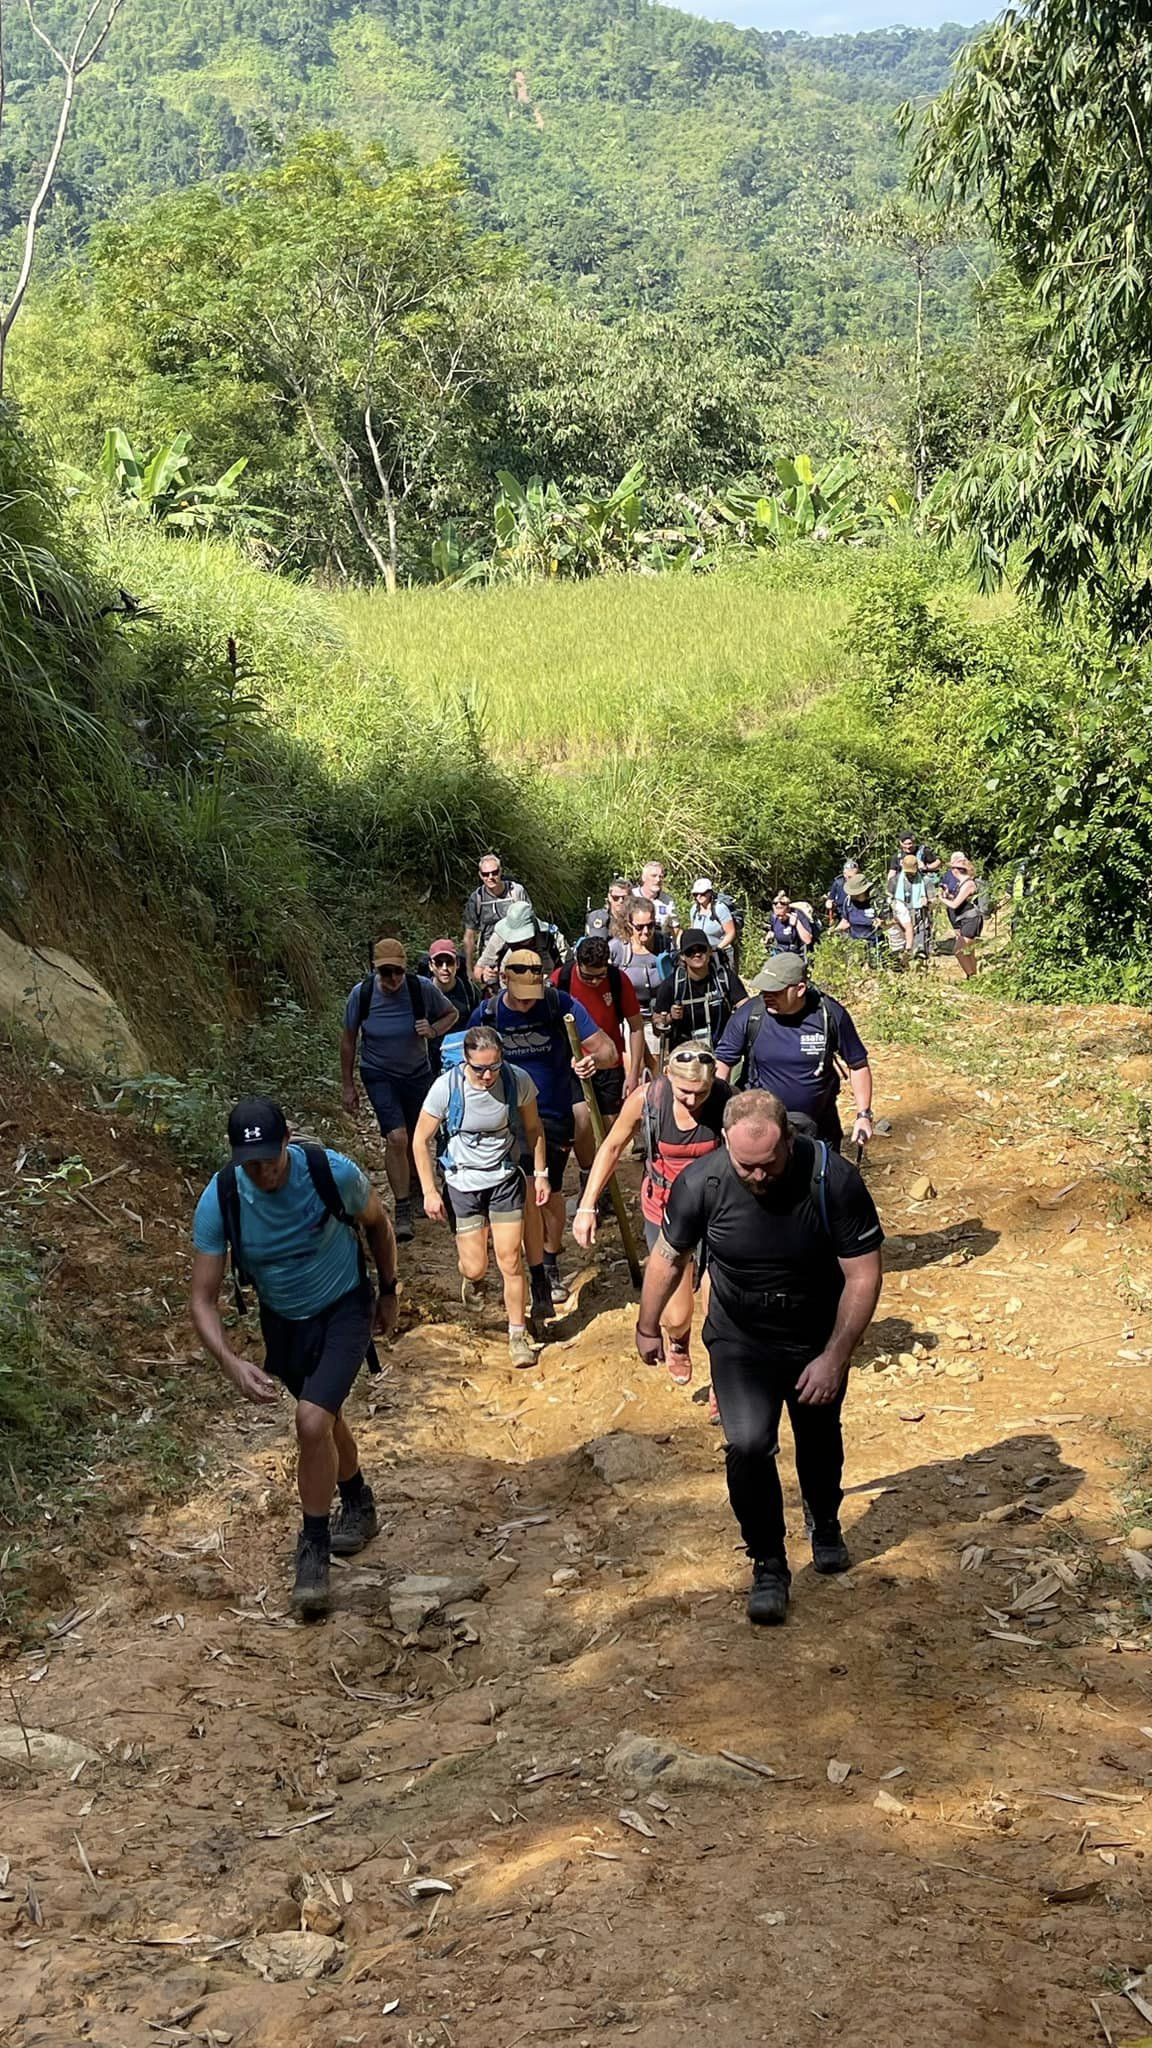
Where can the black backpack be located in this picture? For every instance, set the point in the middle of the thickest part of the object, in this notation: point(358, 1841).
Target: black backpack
point(324, 1181)
point(416, 996)
point(756, 1014)
point(615, 984)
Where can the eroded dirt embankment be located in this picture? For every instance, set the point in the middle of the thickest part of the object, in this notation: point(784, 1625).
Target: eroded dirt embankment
point(978, 1875)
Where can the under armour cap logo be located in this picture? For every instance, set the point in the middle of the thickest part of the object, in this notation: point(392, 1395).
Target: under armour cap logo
point(252, 1132)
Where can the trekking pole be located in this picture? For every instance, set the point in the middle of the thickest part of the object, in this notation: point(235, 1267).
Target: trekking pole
point(627, 1236)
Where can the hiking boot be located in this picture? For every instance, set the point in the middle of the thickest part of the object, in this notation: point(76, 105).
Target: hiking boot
point(558, 1288)
point(521, 1350)
point(354, 1524)
point(403, 1225)
point(472, 1293)
point(768, 1598)
point(310, 1594)
point(829, 1550)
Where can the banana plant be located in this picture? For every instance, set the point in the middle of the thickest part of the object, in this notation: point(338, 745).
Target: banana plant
point(807, 505)
point(160, 486)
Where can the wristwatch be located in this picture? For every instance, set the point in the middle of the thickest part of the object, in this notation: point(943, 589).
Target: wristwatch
point(387, 1286)
point(866, 1113)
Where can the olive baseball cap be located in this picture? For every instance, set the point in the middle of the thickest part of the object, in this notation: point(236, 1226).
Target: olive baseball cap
point(783, 970)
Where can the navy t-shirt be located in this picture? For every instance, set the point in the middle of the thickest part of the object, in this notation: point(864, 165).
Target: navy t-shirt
point(792, 1055)
point(538, 1042)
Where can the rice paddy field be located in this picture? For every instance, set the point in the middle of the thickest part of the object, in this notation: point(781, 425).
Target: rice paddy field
point(581, 671)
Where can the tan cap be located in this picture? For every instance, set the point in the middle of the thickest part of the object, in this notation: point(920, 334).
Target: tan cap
point(389, 953)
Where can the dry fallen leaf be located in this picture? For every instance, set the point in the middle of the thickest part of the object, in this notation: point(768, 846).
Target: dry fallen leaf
point(424, 1887)
point(1068, 1894)
point(1139, 1563)
point(629, 1818)
point(838, 1772)
point(887, 1804)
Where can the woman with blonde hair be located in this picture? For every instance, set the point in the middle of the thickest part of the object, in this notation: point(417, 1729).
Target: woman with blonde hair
point(959, 895)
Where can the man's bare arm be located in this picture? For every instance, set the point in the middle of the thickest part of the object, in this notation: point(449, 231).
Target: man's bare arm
point(822, 1379)
point(207, 1279)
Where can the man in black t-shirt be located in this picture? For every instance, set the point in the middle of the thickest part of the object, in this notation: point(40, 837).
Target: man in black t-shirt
point(792, 1243)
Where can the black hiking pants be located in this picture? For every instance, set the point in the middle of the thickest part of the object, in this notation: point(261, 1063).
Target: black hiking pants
point(755, 1380)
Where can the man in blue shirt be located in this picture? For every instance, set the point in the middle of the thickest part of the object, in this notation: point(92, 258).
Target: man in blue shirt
point(790, 1036)
point(530, 1019)
point(394, 1014)
point(289, 1213)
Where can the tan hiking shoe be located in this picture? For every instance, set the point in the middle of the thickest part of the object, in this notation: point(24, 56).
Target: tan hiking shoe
point(521, 1349)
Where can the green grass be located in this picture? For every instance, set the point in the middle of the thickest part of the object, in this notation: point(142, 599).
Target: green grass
point(573, 671)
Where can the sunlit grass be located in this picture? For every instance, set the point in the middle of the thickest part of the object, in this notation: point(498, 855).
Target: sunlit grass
point(572, 670)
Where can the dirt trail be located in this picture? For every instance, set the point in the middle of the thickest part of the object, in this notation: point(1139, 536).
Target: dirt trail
point(249, 1774)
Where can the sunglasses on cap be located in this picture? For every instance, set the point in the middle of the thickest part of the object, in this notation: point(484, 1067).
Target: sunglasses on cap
point(684, 1058)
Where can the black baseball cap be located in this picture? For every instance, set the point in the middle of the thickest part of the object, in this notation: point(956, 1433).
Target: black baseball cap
point(694, 941)
point(257, 1129)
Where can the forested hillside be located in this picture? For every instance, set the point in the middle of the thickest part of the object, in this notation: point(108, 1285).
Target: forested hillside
point(639, 158)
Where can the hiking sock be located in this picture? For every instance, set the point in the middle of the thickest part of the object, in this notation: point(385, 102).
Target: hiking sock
point(538, 1276)
point(316, 1531)
point(352, 1490)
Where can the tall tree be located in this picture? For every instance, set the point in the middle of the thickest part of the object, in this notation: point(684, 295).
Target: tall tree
point(1047, 129)
point(73, 55)
point(345, 286)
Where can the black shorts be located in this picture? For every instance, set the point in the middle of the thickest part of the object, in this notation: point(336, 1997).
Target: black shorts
point(397, 1099)
point(608, 1088)
point(318, 1357)
point(968, 925)
point(472, 1208)
point(558, 1135)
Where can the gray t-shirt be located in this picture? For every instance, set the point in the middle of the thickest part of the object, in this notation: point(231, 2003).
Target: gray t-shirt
point(391, 1048)
point(482, 1152)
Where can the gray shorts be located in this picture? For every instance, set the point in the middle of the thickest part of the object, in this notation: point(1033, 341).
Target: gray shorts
point(472, 1208)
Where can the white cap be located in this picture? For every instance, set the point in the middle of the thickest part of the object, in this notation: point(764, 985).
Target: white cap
point(703, 887)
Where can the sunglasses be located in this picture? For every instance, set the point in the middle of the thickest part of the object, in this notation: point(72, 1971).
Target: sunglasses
point(490, 874)
point(643, 924)
point(520, 967)
point(691, 1059)
point(474, 1069)
point(593, 973)
point(392, 973)
point(695, 953)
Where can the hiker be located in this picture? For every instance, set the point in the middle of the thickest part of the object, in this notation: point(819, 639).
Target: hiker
point(446, 972)
point(912, 895)
point(790, 1037)
point(612, 1003)
point(791, 929)
point(530, 1019)
point(836, 901)
point(485, 905)
point(619, 900)
point(486, 1108)
point(394, 1014)
point(697, 998)
point(927, 862)
point(663, 907)
point(646, 967)
point(960, 894)
point(520, 924)
point(678, 1117)
point(793, 1257)
point(288, 1214)
point(713, 915)
point(859, 921)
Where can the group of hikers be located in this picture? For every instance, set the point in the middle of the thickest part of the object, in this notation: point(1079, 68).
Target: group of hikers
point(489, 1064)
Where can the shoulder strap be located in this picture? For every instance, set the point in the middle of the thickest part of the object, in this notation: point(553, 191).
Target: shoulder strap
point(453, 1118)
point(228, 1196)
point(616, 985)
point(565, 981)
point(820, 1180)
point(552, 1004)
point(509, 1085)
point(655, 1097)
point(756, 1012)
point(490, 1008)
point(417, 998)
point(831, 1040)
point(364, 1000)
point(324, 1182)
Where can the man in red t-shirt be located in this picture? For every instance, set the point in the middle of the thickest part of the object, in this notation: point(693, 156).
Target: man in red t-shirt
point(612, 1002)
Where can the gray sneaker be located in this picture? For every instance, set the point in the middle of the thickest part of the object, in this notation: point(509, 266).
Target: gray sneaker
point(311, 1595)
point(521, 1350)
point(354, 1525)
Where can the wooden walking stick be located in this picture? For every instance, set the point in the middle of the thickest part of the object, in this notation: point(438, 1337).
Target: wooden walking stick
point(627, 1236)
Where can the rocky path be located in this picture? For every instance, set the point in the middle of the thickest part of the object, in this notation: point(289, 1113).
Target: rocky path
point(921, 1811)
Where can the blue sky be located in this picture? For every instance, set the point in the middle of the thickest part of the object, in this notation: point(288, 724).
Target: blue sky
point(838, 17)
